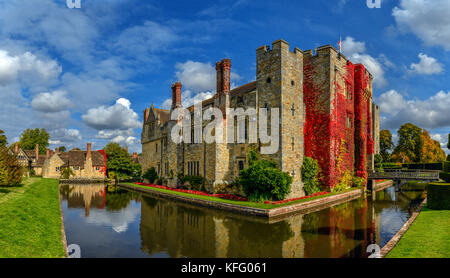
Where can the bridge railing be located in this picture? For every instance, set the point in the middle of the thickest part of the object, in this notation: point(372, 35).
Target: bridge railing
point(405, 174)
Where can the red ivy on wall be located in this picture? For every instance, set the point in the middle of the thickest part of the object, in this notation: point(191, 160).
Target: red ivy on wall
point(338, 124)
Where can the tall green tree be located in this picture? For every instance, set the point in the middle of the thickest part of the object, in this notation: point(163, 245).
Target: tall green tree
point(3, 141)
point(386, 145)
point(409, 144)
point(119, 160)
point(62, 149)
point(31, 137)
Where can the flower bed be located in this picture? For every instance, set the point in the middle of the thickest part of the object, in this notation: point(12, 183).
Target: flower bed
point(380, 180)
point(296, 199)
point(194, 192)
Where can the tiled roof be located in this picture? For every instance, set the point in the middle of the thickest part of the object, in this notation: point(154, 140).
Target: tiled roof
point(247, 88)
point(78, 158)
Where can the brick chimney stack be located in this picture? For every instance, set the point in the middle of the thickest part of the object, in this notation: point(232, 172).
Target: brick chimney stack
point(48, 154)
point(89, 154)
point(223, 69)
point(135, 155)
point(146, 114)
point(37, 152)
point(176, 95)
point(16, 149)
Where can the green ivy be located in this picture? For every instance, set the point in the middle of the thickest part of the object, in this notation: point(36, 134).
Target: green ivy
point(310, 169)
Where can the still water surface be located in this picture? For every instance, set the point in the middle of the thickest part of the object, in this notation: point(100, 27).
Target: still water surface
point(106, 221)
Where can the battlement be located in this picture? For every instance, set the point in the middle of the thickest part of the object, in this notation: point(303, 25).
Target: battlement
point(277, 45)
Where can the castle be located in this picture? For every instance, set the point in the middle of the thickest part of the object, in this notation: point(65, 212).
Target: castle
point(325, 112)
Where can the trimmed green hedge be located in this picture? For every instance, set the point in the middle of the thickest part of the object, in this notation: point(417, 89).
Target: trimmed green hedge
point(424, 166)
point(447, 166)
point(445, 176)
point(438, 195)
point(414, 186)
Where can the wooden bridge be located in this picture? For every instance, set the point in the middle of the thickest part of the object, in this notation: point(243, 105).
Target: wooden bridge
point(402, 176)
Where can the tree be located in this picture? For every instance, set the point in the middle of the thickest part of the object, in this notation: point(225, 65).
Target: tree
point(62, 149)
point(31, 137)
point(3, 141)
point(151, 175)
point(386, 144)
point(119, 160)
point(10, 170)
point(431, 150)
point(67, 172)
point(263, 180)
point(409, 144)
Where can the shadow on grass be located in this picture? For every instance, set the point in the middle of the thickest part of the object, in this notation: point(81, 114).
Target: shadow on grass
point(4, 190)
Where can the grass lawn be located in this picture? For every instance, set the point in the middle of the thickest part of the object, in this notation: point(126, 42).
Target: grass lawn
point(428, 237)
point(240, 203)
point(30, 220)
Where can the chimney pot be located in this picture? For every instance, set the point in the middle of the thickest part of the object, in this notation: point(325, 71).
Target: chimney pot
point(135, 155)
point(16, 150)
point(37, 152)
point(48, 153)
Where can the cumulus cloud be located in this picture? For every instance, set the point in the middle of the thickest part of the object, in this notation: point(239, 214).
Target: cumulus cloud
point(118, 136)
point(119, 116)
point(64, 136)
point(27, 67)
point(188, 98)
point(430, 113)
point(427, 66)
point(355, 51)
point(51, 102)
point(428, 20)
point(199, 77)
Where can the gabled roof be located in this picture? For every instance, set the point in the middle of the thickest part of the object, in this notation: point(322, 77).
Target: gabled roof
point(247, 88)
point(78, 158)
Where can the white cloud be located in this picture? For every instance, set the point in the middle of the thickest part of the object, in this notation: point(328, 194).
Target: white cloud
point(428, 20)
point(351, 47)
point(26, 67)
point(427, 66)
point(199, 77)
point(119, 116)
point(118, 136)
point(430, 113)
point(51, 102)
point(188, 98)
point(355, 52)
point(64, 135)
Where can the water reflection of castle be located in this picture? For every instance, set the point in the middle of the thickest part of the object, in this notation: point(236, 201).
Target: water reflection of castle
point(84, 196)
point(183, 230)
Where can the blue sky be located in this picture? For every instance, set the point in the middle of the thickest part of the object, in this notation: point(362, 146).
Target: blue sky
point(87, 74)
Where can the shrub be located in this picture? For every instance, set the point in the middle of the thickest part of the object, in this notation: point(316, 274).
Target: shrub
point(345, 182)
point(310, 169)
point(448, 157)
point(10, 170)
point(195, 182)
point(263, 180)
point(66, 173)
point(445, 176)
point(359, 182)
point(378, 159)
point(423, 166)
point(438, 195)
point(447, 166)
point(414, 186)
point(150, 175)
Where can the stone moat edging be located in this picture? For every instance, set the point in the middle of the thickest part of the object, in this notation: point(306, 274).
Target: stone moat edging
point(382, 185)
point(266, 213)
point(396, 238)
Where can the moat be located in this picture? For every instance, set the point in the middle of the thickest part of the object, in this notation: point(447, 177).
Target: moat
point(106, 221)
